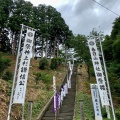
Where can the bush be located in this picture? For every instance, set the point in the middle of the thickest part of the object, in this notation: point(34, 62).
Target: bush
point(55, 62)
point(117, 115)
point(104, 114)
point(7, 76)
point(44, 77)
point(43, 64)
point(38, 77)
point(4, 63)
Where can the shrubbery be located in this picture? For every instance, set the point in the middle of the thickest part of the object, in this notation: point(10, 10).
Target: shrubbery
point(38, 77)
point(117, 115)
point(4, 63)
point(7, 76)
point(55, 62)
point(43, 64)
point(44, 77)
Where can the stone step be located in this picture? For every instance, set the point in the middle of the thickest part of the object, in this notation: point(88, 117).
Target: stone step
point(66, 110)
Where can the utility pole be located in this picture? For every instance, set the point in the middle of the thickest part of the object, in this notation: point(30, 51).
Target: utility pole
point(107, 80)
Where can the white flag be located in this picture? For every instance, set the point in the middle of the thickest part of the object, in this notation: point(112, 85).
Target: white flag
point(19, 96)
point(61, 94)
point(98, 72)
point(96, 101)
point(54, 89)
point(70, 65)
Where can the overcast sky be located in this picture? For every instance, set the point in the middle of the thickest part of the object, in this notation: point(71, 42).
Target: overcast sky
point(83, 15)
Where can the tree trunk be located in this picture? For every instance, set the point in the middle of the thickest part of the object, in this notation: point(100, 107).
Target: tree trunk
point(14, 44)
point(66, 55)
point(42, 48)
point(57, 48)
point(46, 49)
point(54, 53)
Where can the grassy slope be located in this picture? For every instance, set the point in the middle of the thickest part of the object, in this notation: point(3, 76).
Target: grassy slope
point(83, 93)
point(39, 94)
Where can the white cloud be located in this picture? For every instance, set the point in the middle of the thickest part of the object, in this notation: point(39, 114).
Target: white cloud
point(54, 3)
point(83, 15)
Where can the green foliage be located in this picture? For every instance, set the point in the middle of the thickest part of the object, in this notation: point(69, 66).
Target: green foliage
point(38, 77)
point(46, 19)
point(108, 50)
point(55, 62)
point(39, 104)
point(115, 29)
point(5, 45)
point(43, 64)
point(116, 49)
point(104, 114)
point(79, 43)
point(46, 78)
point(5, 10)
point(8, 92)
point(4, 63)
point(88, 107)
point(7, 76)
point(117, 115)
point(43, 77)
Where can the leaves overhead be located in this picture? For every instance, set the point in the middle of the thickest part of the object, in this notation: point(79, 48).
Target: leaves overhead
point(46, 19)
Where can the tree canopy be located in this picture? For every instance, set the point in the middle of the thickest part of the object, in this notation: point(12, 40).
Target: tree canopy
point(51, 27)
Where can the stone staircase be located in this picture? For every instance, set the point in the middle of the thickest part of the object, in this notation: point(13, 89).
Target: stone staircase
point(66, 111)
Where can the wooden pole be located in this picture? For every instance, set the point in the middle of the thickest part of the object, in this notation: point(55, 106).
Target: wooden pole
point(82, 110)
point(30, 110)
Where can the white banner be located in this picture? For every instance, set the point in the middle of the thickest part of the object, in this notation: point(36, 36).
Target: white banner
point(54, 89)
point(98, 72)
point(19, 96)
point(96, 101)
point(61, 94)
point(64, 90)
point(69, 79)
point(66, 86)
point(70, 65)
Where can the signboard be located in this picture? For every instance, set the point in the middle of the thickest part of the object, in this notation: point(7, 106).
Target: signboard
point(98, 72)
point(19, 96)
point(96, 101)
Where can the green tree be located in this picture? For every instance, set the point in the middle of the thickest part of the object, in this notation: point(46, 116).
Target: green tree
point(21, 14)
point(115, 29)
point(4, 63)
point(79, 43)
point(108, 48)
point(5, 10)
point(52, 30)
point(116, 49)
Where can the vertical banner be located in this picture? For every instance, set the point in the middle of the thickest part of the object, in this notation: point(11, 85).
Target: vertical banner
point(61, 94)
point(59, 100)
point(19, 96)
point(70, 65)
point(54, 89)
point(98, 72)
point(96, 101)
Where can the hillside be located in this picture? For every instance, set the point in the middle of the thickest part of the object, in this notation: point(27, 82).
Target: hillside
point(39, 93)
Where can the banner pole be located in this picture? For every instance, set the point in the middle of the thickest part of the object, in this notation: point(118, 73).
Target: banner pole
point(23, 112)
point(107, 81)
point(13, 85)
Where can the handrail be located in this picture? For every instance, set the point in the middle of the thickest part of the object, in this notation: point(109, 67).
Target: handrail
point(49, 102)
